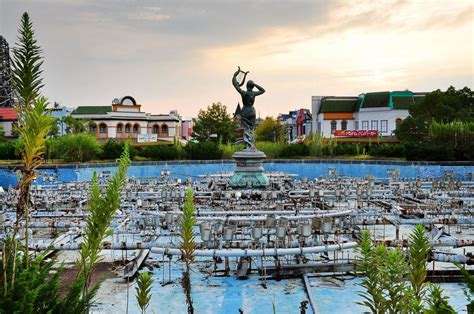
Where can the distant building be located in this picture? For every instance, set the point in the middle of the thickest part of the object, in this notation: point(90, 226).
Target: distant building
point(8, 118)
point(60, 112)
point(378, 111)
point(298, 124)
point(187, 129)
point(125, 120)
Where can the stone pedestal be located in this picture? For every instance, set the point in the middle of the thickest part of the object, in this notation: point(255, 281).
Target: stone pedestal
point(249, 171)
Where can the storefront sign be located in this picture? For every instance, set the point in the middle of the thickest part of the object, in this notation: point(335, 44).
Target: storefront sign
point(356, 133)
point(147, 138)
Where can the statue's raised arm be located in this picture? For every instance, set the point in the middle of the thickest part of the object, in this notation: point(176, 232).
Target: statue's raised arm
point(236, 83)
point(260, 89)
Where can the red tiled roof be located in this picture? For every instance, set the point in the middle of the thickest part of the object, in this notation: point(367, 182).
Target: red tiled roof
point(8, 114)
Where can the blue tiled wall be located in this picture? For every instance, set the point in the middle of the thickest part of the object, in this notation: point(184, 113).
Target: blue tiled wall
point(309, 169)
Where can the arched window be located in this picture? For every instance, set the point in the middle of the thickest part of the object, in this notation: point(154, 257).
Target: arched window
point(92, 128)
point(156, 129)
point(136, 129)
point(397, 122)
point(344, 125)
point(333, 126)
point(164, 130)
point(128, 128)
point(102, 128)
point(120, 128)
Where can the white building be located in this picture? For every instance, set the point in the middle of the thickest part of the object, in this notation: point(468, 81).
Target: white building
point(380, 112)
point(125, 120)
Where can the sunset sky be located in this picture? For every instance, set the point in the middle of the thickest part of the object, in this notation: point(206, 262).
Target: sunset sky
point(182, 54)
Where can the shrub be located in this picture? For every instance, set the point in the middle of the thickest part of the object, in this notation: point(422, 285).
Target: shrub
point(8, 151)
point(428, 151)
point(205, 150)
point(387, 150)
point(295, 150)
point(77, 147)
point(159, 152)
point(112, 150)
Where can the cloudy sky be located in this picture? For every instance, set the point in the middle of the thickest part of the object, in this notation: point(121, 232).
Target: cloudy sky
point(181, 54)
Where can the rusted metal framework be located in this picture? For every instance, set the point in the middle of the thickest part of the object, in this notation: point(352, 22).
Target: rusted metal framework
point(6, 91)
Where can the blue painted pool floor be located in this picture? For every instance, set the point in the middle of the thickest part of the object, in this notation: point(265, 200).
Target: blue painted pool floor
point(213, 294)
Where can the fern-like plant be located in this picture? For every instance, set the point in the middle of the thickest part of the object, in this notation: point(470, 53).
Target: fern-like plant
point(437, 303)
point(143, 289)
point(188, 245)
point(102, 209)
point(419, 248)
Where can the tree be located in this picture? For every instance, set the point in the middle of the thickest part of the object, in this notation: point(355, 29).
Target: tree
point(54, 129)
point(143, 289)
point(33, 123)
point(27, 62)
point(270, 130)
point(214, 120)
point(188, 245)
point(76, 125)
point(443, 107)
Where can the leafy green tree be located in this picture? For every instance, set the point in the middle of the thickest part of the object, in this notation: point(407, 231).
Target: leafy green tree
point(270, 130)
point(188, 245)
point(443, 107)
point(214, 120)
point(143, 290)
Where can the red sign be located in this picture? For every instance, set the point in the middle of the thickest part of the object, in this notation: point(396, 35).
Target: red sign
point(356, 133)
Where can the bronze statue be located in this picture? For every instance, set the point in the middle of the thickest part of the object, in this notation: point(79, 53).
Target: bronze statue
point(248, 111)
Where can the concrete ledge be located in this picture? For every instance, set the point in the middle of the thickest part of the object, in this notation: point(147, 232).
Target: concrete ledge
point(266, 161)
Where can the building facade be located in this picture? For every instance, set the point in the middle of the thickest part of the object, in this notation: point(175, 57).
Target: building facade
point(124, 120)
point(8, 118)
point(60, 112)
point(378, 111)
point(298, 124)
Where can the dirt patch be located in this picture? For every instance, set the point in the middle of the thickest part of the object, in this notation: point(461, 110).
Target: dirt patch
point(101, 271)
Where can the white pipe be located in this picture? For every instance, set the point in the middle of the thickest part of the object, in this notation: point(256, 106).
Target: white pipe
point(441, 257)
point(263, 252)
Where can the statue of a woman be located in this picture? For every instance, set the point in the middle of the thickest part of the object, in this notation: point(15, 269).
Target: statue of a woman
point(248, 111)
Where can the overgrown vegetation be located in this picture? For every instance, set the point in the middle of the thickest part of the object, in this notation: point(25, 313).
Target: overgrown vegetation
point(394, 281)
point(30, 284)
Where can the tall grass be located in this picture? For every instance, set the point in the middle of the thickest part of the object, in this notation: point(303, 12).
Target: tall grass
point(272, 150)
point(229, 149)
